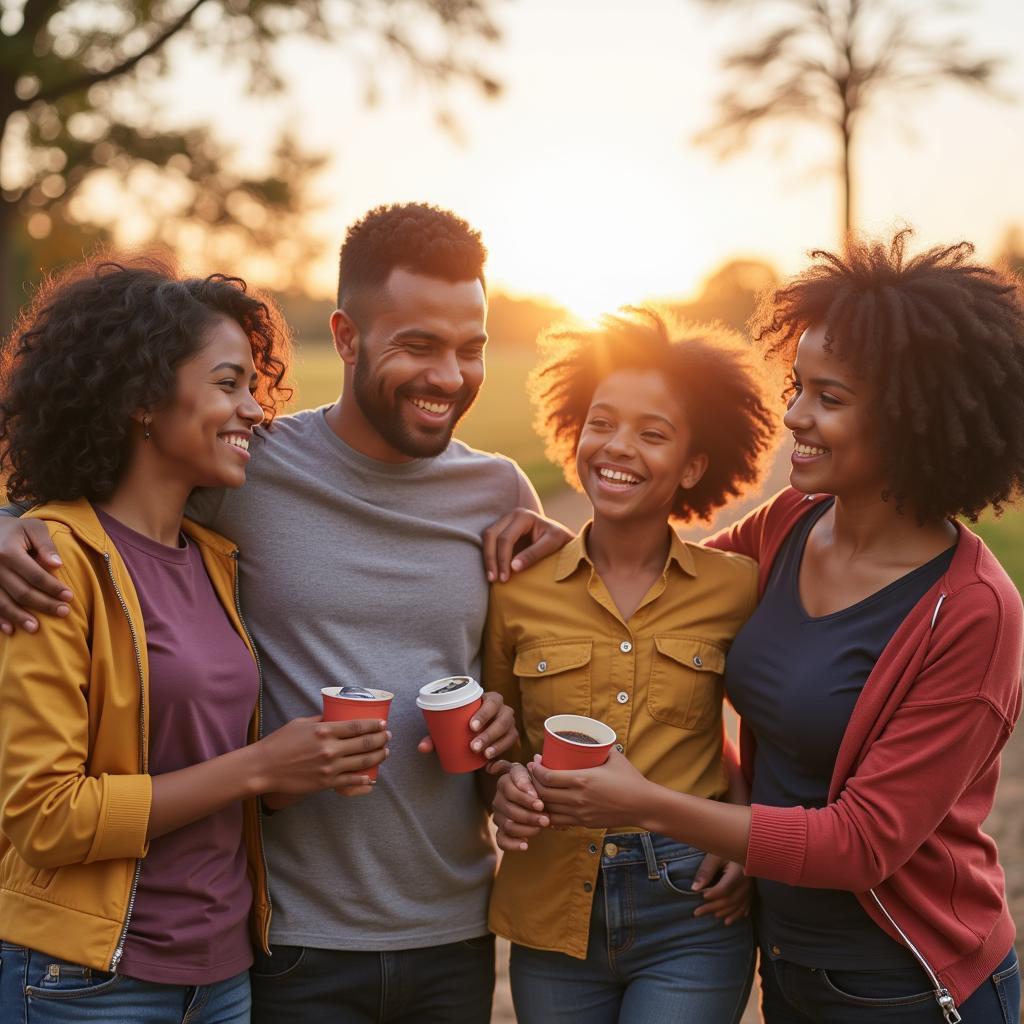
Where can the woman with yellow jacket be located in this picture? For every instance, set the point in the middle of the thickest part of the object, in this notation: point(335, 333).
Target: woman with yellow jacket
point(130, 757)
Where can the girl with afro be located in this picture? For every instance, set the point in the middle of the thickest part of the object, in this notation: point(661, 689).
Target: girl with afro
point(630, 625)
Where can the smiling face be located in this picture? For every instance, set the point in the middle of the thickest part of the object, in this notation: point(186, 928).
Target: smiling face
point(830, 415)
point(418, 363)
point(202, 437)
point(634, 448)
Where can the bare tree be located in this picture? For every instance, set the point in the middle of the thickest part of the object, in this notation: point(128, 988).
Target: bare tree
point(78, 84)
point(827, 62)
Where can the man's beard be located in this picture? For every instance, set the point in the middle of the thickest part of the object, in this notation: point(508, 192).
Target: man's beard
point(387, 419)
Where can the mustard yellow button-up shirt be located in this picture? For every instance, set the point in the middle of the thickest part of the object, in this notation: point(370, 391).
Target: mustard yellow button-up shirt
point(555, 643)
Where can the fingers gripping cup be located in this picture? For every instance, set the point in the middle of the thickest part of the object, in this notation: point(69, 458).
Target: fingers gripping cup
point(572, 741)
point(352, 703)
point(448, 705)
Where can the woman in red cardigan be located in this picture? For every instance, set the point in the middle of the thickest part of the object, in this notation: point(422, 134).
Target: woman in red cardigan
point(880, 676)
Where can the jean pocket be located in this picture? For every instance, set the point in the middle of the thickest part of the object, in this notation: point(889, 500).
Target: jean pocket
point(677, 875)
point(876, 988)
point(53, 978)
point(285, 961)
point(1007, 983)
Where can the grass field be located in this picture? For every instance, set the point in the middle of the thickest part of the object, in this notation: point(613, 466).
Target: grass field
point(501, 422)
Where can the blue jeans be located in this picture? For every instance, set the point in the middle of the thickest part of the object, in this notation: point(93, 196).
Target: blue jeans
point(793, 994)
point(449, 984)
point(649, 960)
point(36, 988)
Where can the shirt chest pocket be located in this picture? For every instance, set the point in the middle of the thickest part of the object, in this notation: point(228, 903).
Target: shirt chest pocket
point(554, 679)
point(686, 681)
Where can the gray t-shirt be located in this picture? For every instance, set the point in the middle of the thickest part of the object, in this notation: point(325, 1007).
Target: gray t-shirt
point(358, 571)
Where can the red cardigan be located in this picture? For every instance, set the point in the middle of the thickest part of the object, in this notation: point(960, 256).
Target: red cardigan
point(916, 772)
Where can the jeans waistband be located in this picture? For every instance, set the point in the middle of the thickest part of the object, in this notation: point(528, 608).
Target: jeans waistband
point(647, 848)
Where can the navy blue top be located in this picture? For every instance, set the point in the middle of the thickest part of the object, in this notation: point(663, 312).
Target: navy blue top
point(795, 679)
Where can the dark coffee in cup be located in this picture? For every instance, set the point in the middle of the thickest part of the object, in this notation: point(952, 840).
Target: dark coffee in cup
point(578, 737)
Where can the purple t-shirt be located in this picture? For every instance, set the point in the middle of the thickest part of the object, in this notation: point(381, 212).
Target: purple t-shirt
point(189, 925)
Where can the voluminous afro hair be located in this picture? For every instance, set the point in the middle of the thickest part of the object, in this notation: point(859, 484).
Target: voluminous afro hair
point(721, 387)
point(416, 237)
point(939, 339)
point(96, 344)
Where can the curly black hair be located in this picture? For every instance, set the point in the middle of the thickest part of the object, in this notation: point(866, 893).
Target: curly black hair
point(722, 388)
point(97, 343)
point(939, 339)
point(417, 237)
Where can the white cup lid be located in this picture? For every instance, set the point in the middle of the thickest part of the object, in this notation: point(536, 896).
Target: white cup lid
point(449, 692)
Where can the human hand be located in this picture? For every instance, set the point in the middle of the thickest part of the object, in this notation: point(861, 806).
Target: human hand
point(517, 810)
point(495, 724)
point(308, 754)
point(28, 559)
point(541, 535)
point(726, 889)
point(608, 796)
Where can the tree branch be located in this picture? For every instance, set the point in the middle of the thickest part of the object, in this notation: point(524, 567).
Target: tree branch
point(83, 82)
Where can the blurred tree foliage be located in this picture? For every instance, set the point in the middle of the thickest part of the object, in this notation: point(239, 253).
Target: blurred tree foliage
point(827, 62)
point(1012, 255)
point(79, 97)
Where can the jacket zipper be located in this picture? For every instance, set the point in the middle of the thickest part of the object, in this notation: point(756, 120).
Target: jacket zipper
point(942, 996)
point(259, 708)
point(119, 951)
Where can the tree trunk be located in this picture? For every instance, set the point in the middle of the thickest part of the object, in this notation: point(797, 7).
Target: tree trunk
point(9, 275)
point(847, 181)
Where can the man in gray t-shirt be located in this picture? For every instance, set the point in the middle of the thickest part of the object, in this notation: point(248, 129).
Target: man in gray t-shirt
point(359, 530)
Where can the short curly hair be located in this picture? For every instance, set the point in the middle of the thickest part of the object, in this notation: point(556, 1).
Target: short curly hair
point(100, 341)
point(417, 237)
point(722, 388)
point(939, 339)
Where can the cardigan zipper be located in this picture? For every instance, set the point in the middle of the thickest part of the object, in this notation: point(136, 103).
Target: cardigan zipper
point(942, 996)
point(119, 950)
point(265, 936)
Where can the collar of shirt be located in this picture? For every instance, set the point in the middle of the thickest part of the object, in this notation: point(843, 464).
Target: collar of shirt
point(575, 552)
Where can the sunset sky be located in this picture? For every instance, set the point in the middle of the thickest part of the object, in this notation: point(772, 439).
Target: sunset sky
point(583, 176)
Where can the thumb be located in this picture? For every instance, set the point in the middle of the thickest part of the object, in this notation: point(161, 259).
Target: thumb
point(709, 868)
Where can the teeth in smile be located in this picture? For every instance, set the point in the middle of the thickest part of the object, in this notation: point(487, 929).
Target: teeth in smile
point(434, 407)
point(807, 449)
point(237, 442)
point(617, 476)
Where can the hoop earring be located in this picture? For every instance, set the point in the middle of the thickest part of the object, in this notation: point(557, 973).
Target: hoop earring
point(146, 421)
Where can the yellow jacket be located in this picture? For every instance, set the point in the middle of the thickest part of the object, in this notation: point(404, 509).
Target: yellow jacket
point(74, 737)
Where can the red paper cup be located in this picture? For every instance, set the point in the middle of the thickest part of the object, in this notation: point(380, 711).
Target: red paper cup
point(561, 752)
point(342, 708)
point(448, 705)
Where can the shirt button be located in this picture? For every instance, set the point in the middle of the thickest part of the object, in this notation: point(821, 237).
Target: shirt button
point(622, 696)
point(776, 951)
point(625, 647)
point(619, 747)
point(610, 850)
point(698, 661)
point(587, 887)
point(542, 666)
point(592, 847)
